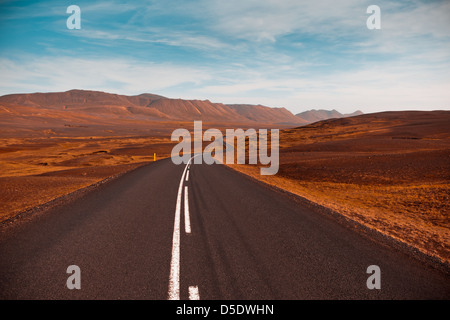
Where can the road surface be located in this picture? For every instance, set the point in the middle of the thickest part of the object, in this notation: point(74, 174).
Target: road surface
point(200, 232)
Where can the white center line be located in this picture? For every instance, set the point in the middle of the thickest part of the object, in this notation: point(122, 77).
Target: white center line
point(187, 220)
point(187, 175)
point(174, 277)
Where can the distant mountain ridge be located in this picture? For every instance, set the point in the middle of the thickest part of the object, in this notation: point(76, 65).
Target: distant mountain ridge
point(314, 115)
point(149, 106)
point(146, 106)
point(261, 113)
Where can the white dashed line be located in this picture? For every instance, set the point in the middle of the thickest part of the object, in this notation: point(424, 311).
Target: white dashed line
point(174, 277)
point(187, 220)
point(193, 293)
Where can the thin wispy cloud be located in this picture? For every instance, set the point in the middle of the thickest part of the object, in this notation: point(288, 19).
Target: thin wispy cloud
point(177, 39)
point(117, 75)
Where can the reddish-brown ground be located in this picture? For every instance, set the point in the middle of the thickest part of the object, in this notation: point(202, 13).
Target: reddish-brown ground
point(38, 165)
point(34, 171)
point(389, 171)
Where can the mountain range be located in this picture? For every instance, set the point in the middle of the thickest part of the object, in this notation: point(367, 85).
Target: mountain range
point(84, 103)
point(314, 115)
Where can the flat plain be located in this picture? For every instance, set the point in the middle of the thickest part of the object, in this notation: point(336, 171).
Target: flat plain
point(389, 171)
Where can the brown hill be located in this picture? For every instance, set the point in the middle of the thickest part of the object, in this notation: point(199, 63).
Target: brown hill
point(406, 125)
point(87, 104)
point(321, 114)
point(261, 113)
point(77, 98)
point(179, 109)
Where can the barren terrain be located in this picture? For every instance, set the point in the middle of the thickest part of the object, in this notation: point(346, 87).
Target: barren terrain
point(389, 171)
point(52, 144)
point(34, 171)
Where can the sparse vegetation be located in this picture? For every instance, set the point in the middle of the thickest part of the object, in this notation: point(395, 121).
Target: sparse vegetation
point(363, 168)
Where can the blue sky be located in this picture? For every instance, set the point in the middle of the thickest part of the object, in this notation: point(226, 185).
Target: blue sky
point(290, 53)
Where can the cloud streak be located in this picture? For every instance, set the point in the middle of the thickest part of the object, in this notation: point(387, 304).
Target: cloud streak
point(121, 75)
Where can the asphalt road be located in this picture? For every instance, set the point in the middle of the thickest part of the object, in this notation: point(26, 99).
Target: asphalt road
point(246, 241)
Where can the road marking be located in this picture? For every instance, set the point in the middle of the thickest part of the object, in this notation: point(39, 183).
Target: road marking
point(187, 220)
point(193, 293)
point(187, 175)
point(174, 277)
